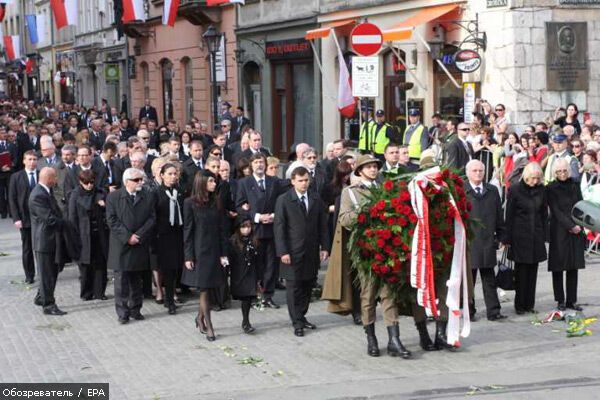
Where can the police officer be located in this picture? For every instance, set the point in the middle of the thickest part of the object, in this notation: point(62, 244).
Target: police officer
point(415, 136)
point(365, 140)
point(383, 134)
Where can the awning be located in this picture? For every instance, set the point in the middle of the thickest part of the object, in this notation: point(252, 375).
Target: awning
point(324, 32)
point(403, 31)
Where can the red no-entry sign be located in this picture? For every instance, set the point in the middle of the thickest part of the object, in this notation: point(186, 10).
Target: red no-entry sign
point(366, 39)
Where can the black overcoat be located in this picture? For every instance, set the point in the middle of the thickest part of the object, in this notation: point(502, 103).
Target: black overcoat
point(168, 243)
point(566, 250)
point(243, 270)
point(126, 217)
point(204, 243)
point(300, 234)
point(526, 221)
point(260, 202)
point(488, 228)
point(79, 216)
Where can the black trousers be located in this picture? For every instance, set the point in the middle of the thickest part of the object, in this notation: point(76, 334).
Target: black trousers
point(92, 279)
point(268, 266)
point(298, 298)
point(525, 282)
point(27, 253)
point(490, 292)
point(147, 283)
point(4, 195)
point(48, 273)
point(169, 277)
point(129, 294)
point(557, 285)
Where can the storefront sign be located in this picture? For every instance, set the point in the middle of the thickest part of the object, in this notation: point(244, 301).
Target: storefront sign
point(365, 76)
point(288, 49)
point(469, 102)
point(567, 65)
point(467, 60)
point(112, 72)
point(496, 3)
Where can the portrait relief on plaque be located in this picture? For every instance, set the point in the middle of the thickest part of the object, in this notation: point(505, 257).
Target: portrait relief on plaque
point(567, 64)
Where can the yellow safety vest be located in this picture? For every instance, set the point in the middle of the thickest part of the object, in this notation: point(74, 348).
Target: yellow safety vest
point(366, 130)
point(381, 140)
point(414, 146)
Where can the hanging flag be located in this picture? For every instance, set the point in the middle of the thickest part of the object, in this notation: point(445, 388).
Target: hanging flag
point(12, 47)
point(29, 65)
point(36, 26)
point(65, 12)
point(170, 8)
point(345, 101)
point(2, 11)
point(133, 10)
point(118, 13)
point(211, 3)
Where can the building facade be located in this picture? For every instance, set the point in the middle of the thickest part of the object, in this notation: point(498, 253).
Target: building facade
point(172, 67)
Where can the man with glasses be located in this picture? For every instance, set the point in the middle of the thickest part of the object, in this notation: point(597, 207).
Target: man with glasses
point(84, 162)
point(560, 146)
point(131, 218)
point(459, 152)
point(230, 137)
point(192, 165)
point(220, 140)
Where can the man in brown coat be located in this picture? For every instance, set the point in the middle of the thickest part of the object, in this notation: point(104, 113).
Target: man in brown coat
point(367, 169)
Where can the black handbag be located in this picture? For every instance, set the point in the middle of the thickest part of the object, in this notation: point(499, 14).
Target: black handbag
point(505, 277)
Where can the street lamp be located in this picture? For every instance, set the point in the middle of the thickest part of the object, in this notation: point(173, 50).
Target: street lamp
point(212, 38)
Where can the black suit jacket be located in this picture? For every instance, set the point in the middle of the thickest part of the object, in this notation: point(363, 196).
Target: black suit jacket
point(124, 218)
point(458, 157)
point(260, 202)
point(46, 220)
point(189, 173)
point(97, 140)
point(301, 234)
point(149, 113)
point(18, 197)
point(237, 125)
point(248, 153)
point(103, 178)
point(317, 183)
point(122, 164)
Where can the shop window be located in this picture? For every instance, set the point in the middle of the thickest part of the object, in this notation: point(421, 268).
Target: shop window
point(394, 87)
point(145, 80)
point(188, 87)
point(448, 98)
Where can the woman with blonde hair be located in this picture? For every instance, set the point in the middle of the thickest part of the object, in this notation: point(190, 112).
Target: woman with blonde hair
point(526, 216)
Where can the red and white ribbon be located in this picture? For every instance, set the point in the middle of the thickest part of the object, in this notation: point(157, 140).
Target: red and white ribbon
point(421, 265)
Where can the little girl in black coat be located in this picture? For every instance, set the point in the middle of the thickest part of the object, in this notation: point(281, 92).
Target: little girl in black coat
point(243, 259)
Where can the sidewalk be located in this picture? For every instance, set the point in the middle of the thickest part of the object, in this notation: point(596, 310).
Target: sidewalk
point(164, 357)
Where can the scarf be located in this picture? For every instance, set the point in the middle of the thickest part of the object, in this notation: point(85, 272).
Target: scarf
point(173, 205)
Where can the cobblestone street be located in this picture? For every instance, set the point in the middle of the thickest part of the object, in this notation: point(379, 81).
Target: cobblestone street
point(164, 357)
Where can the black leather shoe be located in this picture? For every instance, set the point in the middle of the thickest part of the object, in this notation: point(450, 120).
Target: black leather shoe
point(172, 309)
point(441, 341)
point(29, 281)
point(280, 286)
point(519, 311)
point(269, 303)
point(123, 320)
point(372, 345)
point(211, 338)
point(575, 307)
point(37, 301)
point(561, 307)
point(308, 325)
point(497, 317)
point(248, 328)
point(138, 317)
point(54, 310)
point(356, 319)
point(87, 298)
point(424, 338)
point(103, 297)
point(395, 347)
point(159, 301)
point(299, 332)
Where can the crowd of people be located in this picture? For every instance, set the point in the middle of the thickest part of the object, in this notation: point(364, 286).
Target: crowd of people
point(176, 210)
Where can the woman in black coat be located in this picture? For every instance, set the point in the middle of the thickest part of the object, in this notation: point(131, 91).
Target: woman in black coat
point(86, 212)
point(526, 216)
point(169, 231)
point(204, 245)
point(243, 256)
point(567, 240)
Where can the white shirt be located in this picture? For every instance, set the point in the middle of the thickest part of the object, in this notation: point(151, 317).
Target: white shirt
point(474, 186)
point(368, 184)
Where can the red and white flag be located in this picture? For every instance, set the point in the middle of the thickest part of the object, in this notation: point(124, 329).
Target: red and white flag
point(2, 11)
point(345, 102)
point(170, 8)
point(65, 12)
point(133, 10)
point(12, 46)
point(29, 65)
point(211, 3)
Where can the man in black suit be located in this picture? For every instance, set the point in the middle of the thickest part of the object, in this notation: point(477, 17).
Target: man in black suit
point(46, 229)
point(134, 145)
point(318, 177)
point(256, 196)
point(148, 111)
point(459, 151)
point(21, 184)
point(104, 168)
point(192, 165)
point(84, 162)
point(226, 152)
point(340, 148)
point(6, 170)
point(302, 242)
point(487, 235)
point(239, 121)
point(113, 116)
point(230, 136)
point(255, 146)
point(130, 216)
point(26, 140)
point(97, 135)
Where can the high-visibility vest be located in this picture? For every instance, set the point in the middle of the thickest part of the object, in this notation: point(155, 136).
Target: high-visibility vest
point(381, 139)
point(414, 145)
point(367, 131)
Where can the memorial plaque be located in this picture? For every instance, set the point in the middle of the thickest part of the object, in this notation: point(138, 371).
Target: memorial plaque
point(567, 66)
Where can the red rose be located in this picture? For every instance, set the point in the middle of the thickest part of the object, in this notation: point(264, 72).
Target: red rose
point(436, 246)
point(403, 184)
point(451, 240)
point(375, 267)
point(469, 206)
point(445, 174)
point(386, 234)
point(380, 205)
point(411, 232)
point(437, 214)
point(392, 279)
point(413, 218)
point(466, 216)
point(404, 195)
point(396, 202)
point(388, 250)
point(397, 241)
point(405, 248)
point(362, 218)
point(391, 221)
point(380, 243)
point(388, 185)
point(459, 182)
point(379, 257)
point(369, 233)
point(382, 217)
point(384, 269)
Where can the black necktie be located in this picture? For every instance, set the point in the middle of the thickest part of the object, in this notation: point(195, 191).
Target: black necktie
point(199, 164)
point(132, 198)
point(108, 174)
point(304, 202)
point(31, 180)
point(478, 190)
point(261, 185)
point(2, 145)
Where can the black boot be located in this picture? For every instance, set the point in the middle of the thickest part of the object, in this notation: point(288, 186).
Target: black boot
point(372, 345)
point(441, 341)
point(395, 347)
point(424, 339)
